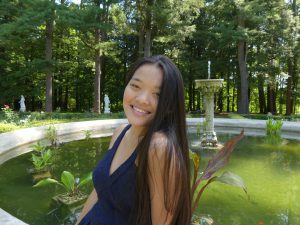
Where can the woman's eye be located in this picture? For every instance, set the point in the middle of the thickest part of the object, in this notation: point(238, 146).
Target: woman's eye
point(157, 94)
point(134, 86)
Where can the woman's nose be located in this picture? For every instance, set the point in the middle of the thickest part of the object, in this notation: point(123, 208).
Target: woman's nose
point(143, 98)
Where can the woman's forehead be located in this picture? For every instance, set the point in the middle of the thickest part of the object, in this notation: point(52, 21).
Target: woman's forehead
point(149, 74)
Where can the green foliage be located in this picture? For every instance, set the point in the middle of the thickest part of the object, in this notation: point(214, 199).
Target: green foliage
point(9, 115)
point(6, 127)
point(41, 158)
point(31, 119)
point(68, 182)
point(88, 134)
point(51, 135)
point(218, 161)
point(273, 127)
point(190, 32)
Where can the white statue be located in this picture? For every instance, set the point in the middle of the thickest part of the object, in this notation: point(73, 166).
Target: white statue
point(106, 104)
point(22, 104)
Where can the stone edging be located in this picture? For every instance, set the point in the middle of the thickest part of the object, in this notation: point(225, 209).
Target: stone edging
point(21, 139)
point(290, 130)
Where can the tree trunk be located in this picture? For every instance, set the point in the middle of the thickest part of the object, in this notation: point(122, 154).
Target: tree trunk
point(191, 95)
point(261, 95)
point(32, 103)
point(220, 100)
point(228, 92)
point(66, 97)
point(289, 90)
point(271, 100)
point(140, 28)
point(147, 51)
point(49, 74)
point(148, 28)
point(97, 73)
point(243, 103)
point(292, 81)
point(233, 98)
point(194, 96)
point(198, 101)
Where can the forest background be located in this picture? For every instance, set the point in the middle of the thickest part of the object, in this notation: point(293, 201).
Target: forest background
point(64, 55)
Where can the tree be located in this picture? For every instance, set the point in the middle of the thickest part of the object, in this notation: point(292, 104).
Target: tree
point(292, 81)
point(243, 102)
point(48, 55)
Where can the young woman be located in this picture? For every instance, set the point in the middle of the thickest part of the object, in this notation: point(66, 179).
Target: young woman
point(144, 177)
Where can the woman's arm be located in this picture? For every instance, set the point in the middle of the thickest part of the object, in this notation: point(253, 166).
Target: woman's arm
point(161, 208)
point(90, 202)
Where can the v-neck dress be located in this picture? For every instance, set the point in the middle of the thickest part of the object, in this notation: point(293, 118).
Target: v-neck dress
point(116, 192)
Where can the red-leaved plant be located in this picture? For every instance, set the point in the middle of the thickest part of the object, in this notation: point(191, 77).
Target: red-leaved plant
point(218, 161)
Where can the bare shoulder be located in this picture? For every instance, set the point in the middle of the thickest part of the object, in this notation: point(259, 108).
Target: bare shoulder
point(116, 133)
point(158, 145)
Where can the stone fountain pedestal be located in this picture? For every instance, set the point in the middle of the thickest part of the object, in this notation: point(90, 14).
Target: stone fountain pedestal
point(209, 87)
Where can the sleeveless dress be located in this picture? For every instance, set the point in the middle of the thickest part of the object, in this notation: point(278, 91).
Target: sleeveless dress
point(116, 192)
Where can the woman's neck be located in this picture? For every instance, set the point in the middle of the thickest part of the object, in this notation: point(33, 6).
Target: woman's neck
point(137, 132)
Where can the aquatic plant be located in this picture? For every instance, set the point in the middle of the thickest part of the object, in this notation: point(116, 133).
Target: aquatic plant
point(273, 127)
point(218, 161)
point(51, 135)
point(41, 157)
point(68, 182)
point(88, 134)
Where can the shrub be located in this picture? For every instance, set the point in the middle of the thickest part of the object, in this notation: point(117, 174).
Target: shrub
point(6, 127)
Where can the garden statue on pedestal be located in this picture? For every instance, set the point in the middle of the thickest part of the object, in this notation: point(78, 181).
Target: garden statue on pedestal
point(106, 104)
point(22, 104)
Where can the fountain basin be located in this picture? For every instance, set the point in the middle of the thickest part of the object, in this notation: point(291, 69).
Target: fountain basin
point(16, 143)
point(209, 85)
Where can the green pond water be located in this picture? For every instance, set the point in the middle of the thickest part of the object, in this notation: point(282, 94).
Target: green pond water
point(269, 167)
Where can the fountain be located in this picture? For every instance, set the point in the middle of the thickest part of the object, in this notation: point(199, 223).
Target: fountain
point(209, 87)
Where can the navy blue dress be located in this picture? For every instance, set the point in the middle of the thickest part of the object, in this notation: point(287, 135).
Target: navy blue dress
point(116, 192)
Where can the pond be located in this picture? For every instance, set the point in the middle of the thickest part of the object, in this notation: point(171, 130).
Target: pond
point(269, 167)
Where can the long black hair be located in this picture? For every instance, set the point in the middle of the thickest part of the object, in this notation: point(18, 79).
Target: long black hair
point(170, 120)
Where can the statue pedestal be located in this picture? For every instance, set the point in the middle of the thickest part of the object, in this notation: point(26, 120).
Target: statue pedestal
point(209, 87)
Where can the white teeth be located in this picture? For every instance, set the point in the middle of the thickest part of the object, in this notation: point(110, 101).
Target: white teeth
point(139, 110)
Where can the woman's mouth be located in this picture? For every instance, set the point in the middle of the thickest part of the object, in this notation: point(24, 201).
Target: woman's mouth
point(139, 111)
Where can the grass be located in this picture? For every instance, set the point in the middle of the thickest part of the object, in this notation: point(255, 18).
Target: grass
point(25, 120)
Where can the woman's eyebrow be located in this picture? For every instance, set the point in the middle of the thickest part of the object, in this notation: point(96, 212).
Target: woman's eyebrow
point(139, 80)
point(136, 79)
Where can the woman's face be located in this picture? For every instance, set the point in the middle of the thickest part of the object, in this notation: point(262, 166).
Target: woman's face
point(141, 95)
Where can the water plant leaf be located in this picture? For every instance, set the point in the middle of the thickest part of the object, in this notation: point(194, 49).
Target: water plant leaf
point(47, 156)
point(85, 180)
point(220, 159)
point(46, 182)
point(38, 147)
point(232, 179)
point(68, 180)
point(196, 164)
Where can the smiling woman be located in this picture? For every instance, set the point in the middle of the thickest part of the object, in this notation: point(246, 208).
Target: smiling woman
point(147, 157)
